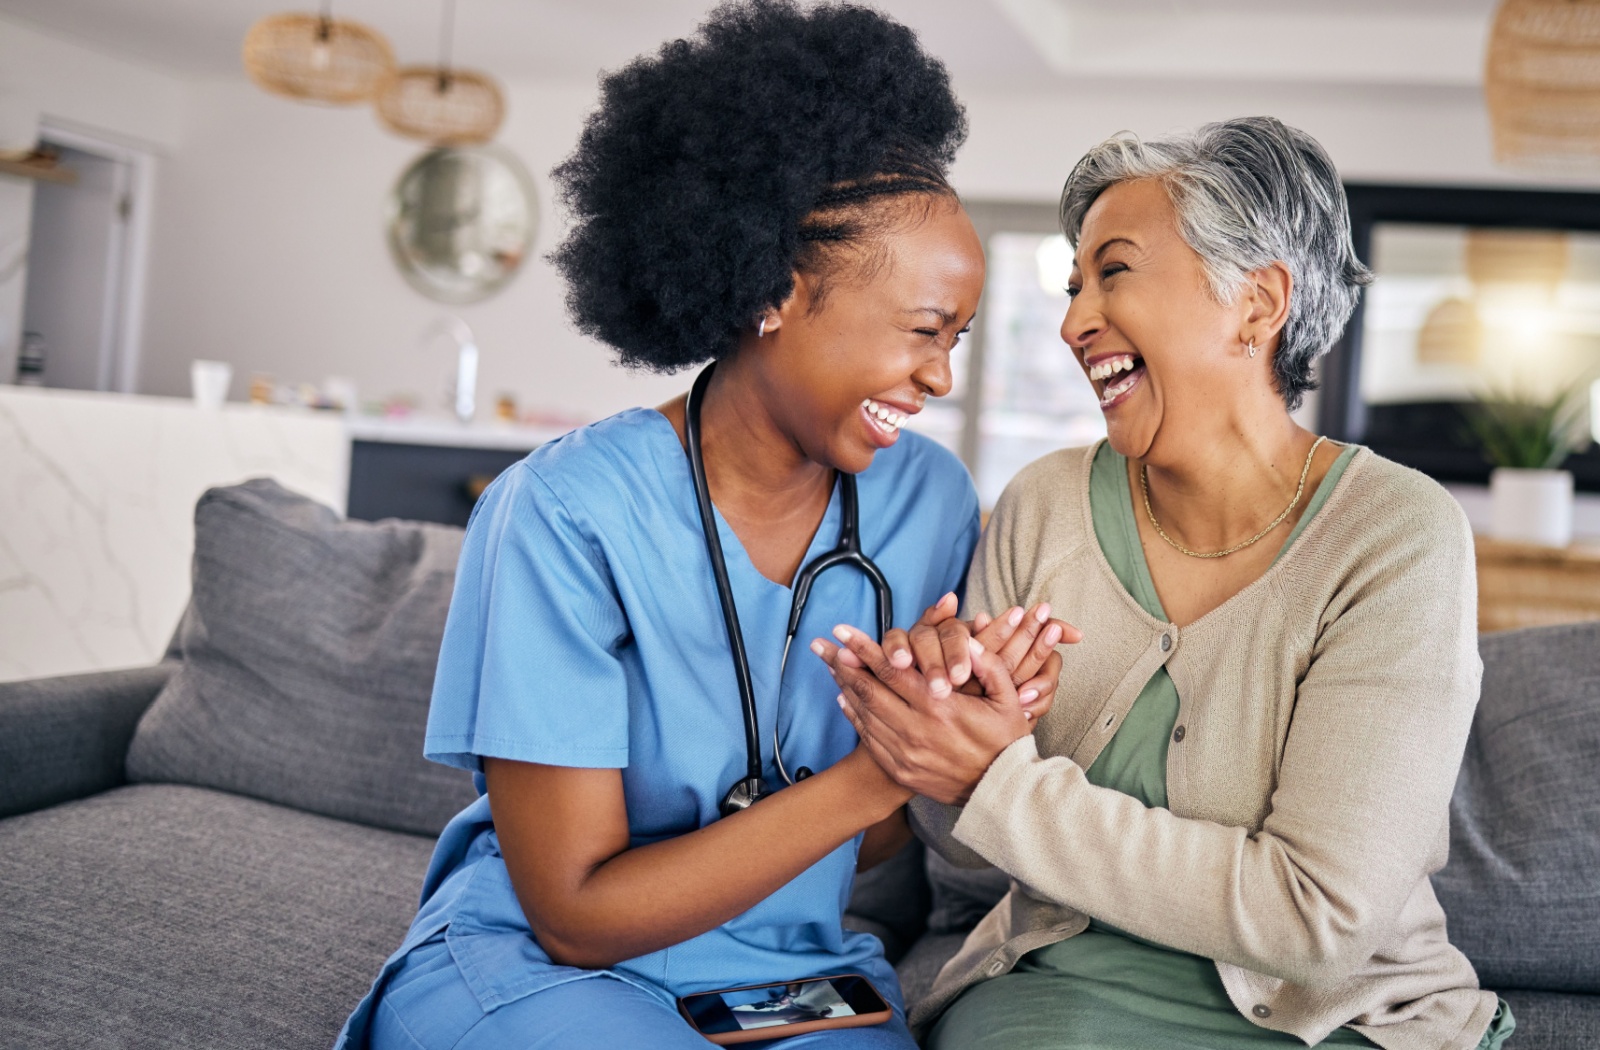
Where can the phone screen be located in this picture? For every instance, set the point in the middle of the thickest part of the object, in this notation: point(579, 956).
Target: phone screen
point(773, 1005)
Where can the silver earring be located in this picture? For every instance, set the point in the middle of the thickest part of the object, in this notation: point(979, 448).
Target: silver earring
point(761, 330)
point(1252, 349)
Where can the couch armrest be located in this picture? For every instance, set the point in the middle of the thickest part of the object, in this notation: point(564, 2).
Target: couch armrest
point(65, 738)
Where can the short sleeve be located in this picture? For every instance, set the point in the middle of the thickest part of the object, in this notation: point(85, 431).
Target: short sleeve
point(530, 665)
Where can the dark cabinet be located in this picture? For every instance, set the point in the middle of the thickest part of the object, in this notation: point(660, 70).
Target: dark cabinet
point(421, 482)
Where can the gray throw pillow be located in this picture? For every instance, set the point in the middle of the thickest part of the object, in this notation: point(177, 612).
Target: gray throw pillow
point(308, 656)
point(962, 896)
point(1522, 889)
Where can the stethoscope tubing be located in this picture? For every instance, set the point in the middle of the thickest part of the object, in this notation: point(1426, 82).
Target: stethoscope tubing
point(846, 552)
point(719, 572)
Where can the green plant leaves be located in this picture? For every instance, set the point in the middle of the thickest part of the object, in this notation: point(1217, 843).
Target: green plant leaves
point(1518, 430)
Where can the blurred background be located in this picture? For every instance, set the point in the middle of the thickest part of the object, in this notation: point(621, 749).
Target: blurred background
point(235, 240)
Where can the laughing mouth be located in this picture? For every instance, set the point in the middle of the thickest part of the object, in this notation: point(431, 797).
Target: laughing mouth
point(889, 419)
point(1116, 375)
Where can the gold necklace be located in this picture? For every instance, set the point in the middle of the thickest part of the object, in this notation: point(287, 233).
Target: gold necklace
point(1144, 483)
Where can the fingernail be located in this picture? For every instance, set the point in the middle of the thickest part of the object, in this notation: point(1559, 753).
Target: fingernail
point(1014, 617)
point(1028, 696)
point(818, 648)
point(1052, 634)
point(842, 633)
point(1044, 612)
point(900, 658)
point(974, 646)
point(1028, 715)
point(840, 698)
point(938, 687)
point(949, 596)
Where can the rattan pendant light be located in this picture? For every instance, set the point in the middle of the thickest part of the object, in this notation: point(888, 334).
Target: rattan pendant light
point(441, 105)
point(317, 58)
point(1542, 83)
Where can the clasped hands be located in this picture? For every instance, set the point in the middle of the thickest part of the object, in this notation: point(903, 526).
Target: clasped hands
point(935, 705)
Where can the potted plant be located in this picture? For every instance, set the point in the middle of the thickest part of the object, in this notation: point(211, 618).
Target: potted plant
point(1527, 440)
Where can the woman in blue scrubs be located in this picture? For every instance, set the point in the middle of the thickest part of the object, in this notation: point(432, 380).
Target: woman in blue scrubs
point(770, 194)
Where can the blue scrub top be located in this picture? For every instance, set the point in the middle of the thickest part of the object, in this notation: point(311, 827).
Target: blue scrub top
point(585, 630)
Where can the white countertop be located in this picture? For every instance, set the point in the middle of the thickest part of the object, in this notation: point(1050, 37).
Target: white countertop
point(446, 430)
point(416, 429)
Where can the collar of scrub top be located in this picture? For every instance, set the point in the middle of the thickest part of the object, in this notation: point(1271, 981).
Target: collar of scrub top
point(753, 786)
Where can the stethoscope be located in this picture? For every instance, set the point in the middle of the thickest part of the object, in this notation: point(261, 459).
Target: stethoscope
point(753, 787)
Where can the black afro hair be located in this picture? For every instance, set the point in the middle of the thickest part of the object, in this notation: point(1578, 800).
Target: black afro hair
point(723, 164)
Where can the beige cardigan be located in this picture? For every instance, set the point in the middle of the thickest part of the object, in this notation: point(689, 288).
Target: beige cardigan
point(1323, 714)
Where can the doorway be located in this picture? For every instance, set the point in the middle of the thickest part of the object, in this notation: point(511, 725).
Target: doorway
point(82, 308)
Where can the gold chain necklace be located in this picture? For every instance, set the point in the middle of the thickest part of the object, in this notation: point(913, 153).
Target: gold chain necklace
point(1144, 483)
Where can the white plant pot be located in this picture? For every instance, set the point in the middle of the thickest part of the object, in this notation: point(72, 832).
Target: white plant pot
point(1531, 506)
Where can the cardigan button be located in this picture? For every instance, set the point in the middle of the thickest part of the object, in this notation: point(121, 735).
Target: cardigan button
point(1166, 643)
point(1261, 1010)
point(1178, 735)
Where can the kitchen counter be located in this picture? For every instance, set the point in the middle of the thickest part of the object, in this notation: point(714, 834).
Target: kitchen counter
point(447, 432)
point(97, 495)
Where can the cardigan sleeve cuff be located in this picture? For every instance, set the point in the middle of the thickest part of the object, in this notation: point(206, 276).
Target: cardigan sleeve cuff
point(994, 810)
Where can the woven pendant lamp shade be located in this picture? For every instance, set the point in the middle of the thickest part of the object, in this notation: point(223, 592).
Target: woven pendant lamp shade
point(1542, 83)
point(315, 58)
point(443, 107)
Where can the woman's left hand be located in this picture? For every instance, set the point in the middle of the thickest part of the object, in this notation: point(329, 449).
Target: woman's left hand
point(939, 747)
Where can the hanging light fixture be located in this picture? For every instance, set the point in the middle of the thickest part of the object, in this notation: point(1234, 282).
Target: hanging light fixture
point(317, 58)
point(1542, 83)
point(439, 104)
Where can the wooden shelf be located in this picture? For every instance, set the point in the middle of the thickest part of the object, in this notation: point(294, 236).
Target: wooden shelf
point(40, 172)
point(1523, 585)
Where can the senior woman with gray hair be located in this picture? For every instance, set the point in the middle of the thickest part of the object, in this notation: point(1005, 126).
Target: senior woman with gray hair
point(1220, 835)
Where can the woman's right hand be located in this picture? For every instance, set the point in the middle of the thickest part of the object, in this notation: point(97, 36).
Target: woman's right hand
point(1024, 640)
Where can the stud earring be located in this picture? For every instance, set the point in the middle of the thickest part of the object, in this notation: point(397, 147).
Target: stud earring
point(1252, 349)
point(761, 330)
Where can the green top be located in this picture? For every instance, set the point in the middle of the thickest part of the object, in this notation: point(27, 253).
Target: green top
point(1134, 760)
point(1105, 989)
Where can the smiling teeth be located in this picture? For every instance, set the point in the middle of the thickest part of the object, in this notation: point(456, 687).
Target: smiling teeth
point(1117, 389)
point(1111, 366)
point(888, 417)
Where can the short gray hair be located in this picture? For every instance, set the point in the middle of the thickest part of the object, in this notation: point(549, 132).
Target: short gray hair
point(1247, 192)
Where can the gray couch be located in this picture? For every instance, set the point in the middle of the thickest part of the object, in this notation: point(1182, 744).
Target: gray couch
point(220, 850)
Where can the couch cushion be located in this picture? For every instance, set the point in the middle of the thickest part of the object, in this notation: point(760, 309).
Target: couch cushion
point(308, 657)
point(923, 962)
point(164, 916)
point(1554, 1020)
point(1521, 890)
point(962, 896)
point(890, 901)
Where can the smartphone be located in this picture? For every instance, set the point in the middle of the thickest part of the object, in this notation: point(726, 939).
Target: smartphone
point(774, 1011)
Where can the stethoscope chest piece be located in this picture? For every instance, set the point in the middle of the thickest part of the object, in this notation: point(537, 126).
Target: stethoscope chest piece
point(746, 793)
point(752, 787)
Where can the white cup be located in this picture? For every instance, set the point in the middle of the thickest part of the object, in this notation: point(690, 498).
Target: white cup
point(209, 380)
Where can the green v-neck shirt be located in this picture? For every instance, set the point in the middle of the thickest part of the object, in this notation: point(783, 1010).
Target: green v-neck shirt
point(1134, 762)
point(1105, 989)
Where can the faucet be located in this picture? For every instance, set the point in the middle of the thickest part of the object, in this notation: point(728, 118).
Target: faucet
point(464, 396)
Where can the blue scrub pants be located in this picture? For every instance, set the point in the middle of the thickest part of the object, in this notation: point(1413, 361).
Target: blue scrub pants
point(426, 1005)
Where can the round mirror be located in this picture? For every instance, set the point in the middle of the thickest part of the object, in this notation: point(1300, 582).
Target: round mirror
point(461, 222)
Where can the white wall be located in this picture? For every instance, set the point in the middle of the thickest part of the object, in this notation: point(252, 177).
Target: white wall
point(270, 253)
point(1023, 146)
point(46, 78)
point(268, 236)
point(74, 84)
